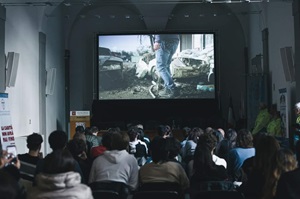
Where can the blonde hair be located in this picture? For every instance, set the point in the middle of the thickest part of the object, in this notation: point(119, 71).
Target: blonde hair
point(285, 160)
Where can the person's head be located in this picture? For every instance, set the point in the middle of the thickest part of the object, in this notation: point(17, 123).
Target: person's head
point(207, 140)
point(203, 157)
point(34, 141)
point(262, 105)
point(79, 129)
point(186, 131)
point(162, 131)
point(8, 186)
point(76, 147)
point(272, 109)
point(286, 160)
point(94, 130)
point(59, 161)
point(114, 139)
point(222, 132)
point(58, 140)
point(80, 136)
point(158, 150)
point(278, 161)
point(133, 134)
point(231, 136)
point(266, 148)
point(173, 147)
point(218, 135)
point(195, 133)
point(244, 139)
point(87, 131)
point(297, 108)
point(257, 137)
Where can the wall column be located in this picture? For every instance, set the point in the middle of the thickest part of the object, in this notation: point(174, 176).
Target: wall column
point(296, 14)
point(2, 52)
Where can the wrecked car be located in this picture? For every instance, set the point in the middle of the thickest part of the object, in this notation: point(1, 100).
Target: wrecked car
point(110, 68)
point(185, 64)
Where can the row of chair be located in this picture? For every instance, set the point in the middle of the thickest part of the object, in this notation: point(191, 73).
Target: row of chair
point(117, 190)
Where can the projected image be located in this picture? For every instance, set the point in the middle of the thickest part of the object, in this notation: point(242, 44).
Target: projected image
point(129, 69)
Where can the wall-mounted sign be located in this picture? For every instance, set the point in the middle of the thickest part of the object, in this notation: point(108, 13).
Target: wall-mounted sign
point(78, 118)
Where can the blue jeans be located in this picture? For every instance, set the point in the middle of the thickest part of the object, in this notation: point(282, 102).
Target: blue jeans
point(163, 59)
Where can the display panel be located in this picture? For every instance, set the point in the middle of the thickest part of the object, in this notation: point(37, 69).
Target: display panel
point(127, 67)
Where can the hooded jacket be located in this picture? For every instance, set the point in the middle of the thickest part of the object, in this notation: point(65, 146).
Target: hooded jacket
point(64, 185)
point(115, 166)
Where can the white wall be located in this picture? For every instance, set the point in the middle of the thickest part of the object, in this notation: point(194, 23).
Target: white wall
point(22, 28)
point(277, 17)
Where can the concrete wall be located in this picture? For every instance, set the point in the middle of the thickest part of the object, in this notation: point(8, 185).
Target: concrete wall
point(22, 28)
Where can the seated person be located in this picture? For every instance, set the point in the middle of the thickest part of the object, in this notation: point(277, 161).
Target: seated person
point(208, 176)
point(77, 149)
point(57, 140)
point(10, 186)
point(161, 169)
point(137, 147)
point(116, 164)
point(29, 160)
point(188, 150)
point(58, 178)
point(244, 149)
point(287, 186)
point(209, 141)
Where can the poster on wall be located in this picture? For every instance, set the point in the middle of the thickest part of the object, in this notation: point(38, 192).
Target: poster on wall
point(6, 129)
point(78, 118)
point(284, 111)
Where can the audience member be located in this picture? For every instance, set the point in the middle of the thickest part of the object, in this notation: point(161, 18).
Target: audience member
point(91, 139)
point(248, 164)
point(10, 186)
point(57, 141)
point(185, 132)
point(288, 184)
point(207, 174)
point(137, 147)
point(116, 164)
point(209, 141)
point(187, 152)
point(262, 179)
point(161, 169)
point(58, 178)
point(227, 144)
point(243, 150)
point(77, 149)
point(173, 147)
point(34, 142)
point(29, 160)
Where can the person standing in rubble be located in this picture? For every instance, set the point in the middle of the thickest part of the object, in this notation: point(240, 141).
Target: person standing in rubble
point(165, 46)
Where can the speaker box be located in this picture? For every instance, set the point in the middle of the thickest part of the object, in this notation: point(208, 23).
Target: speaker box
point(288, 63)
point(50, 82)
point(12, 62)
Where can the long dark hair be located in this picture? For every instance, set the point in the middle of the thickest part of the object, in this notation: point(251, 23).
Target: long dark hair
point(203, 161)
point(59, 161)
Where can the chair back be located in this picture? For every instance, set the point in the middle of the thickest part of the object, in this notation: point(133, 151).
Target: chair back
point(217, 195)
point(215, 186)
point(156, 195)
point(166, 190)
point(100, 194)
point(111, 190)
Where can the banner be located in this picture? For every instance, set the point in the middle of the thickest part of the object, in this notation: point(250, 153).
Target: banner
point(78, 118)
point(284, 111)
point(6, 129)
